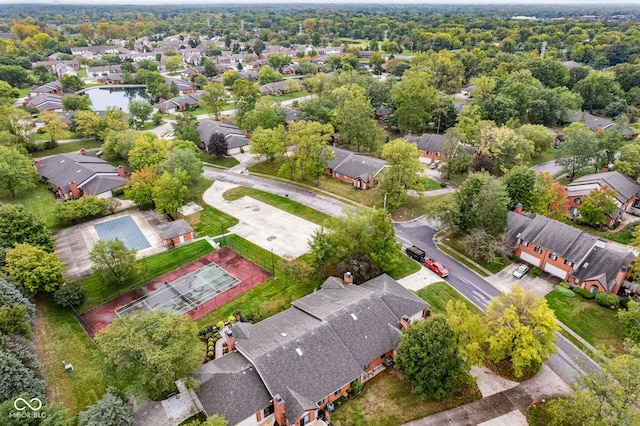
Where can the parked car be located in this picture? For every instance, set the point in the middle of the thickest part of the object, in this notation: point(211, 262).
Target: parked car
point(437, 267)
point(415, 253)
point(520, 271)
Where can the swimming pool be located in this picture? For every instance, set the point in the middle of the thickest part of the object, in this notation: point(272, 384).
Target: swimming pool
point(124, 229)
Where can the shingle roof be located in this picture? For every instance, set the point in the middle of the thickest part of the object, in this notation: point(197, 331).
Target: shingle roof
point(175, 229)
point(624, 186)
point(231, 387)
point(101, 184)
point(603, 266)
point(234, 136)
point(355, 165)
point(62, 169)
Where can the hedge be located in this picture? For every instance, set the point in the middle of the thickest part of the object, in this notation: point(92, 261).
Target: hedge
point(607, 299)
point(560, 289)
point(585, 293)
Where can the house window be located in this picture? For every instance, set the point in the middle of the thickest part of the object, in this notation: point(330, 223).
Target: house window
point(568, 263)
point(365, 367)
point(428, 152)
point(538, 249)
point(383, 356)
point(553, 256)
point(321, 401)
point(594, 289)
point(337, 392)
point(267, 411)
point(577, 201)
point(525, 243)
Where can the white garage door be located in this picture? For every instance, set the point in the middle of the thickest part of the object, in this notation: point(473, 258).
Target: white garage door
point(530, 258)
point(554, 270)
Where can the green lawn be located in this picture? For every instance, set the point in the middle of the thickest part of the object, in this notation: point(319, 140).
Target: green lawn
point(417, 206)
point(279, 202)
point(624, 236)
point(82, 72)
point(542, 157)
point(65, 134)
point(211, 221)
point(387, 401)
point(594, 323)
point(285, 97)
point(406, 267)
point(59, 337)
point(438, 294)
point(227, 162)
point(40, 201)
point(63, 148)
point(427, 184)
point(151, 267)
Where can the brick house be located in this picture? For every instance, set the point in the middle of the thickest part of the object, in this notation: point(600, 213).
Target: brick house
point(179, 103)
point(356, 169)
point(237, 140)
point(176, 233)
point(626, 192)
point(287, 369)
point(431, 146)
point(72, 176)
point(566, 252)
point(52, 88)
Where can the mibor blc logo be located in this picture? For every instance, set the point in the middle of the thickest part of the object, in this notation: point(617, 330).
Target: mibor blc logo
point(21, 404)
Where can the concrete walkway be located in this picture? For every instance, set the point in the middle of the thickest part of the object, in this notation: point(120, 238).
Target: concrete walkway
point(503, 408)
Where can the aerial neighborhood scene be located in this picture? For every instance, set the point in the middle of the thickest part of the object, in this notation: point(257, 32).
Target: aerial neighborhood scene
point(285, 214)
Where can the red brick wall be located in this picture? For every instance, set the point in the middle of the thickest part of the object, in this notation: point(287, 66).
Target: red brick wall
point(544, 255)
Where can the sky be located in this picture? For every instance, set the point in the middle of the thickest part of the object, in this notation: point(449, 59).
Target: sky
point(320, 3)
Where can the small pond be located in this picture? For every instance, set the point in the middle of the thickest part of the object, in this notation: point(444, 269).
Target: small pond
point(103, 97)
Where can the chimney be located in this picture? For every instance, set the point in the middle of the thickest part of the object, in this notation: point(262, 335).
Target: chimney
point(83, 151)
point(75, 192)
point(36, 163)
point(604, 169)
point(519, 208)
point(638, 179)
point(122, 172)
point(405, 321)
point(620, 277)
point(278, 410)
point(247, 134)
point(231, 341)
point(408, 132)
point(348, 278)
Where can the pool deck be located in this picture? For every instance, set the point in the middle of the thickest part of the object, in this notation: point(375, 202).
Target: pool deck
point(249, 274)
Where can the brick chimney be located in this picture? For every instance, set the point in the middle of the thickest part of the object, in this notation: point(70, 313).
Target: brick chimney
point(83, 151)
point(519, 208)
point(348, 278)
point(122, 172)
point(231, 341)
point(405, 321)
point(620, 277)
point(247, 134)
point(278, 410)
point(75, 192)
point(604, 169)
point(408, 132)
point(36, 164)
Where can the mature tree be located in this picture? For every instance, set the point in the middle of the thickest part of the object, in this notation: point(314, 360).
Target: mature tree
point(217, 145)
point(169, 191)
point(19, 124)
point(353, 118)
point(34, 268)
point(199, 80)
point(447, 71)
point(521, 328)
point(20, 226)
point(469, 333)
point(113, 262)
point(185, 159)
point(428, 358)
point(15, 75)
point(318, 109)
point(20, 370)
point(246, 95)
point(505, 147)
point(76, 102)
point(312, 153)
point(456, 158)
point(481, 245)
point(118, 144)
point(268, 75)
point(111, 410)
point(17, 313)
point(229, 77)
point(609, 143)
point(402, 173)
point(550, 72)
point(17, 173)
point(53, 125)
point(444, 113)
point(541, 137)
point(269, 142)
point(147, 151)
point(629, 160)
point(71, 82)
point(73, 210)
point(598, 89)
point(265, 116)
point(186, 128)
point(550, 198)
point(139, 189)
point(8, 94)
point(140, 110)
point(606, 396)
point(213, 99)
point(482, 203)
point(215, 420)
point(630, 321)
point(578, 150)
point(151, 360)
point(597, 205)
point(291, 85)
point(519, 183)
point(113, 120)
point(70, 294)
point(174, 63)
point(414, 99)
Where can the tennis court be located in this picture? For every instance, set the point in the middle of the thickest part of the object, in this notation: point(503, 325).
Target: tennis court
point(124, 229)
point(185, 293)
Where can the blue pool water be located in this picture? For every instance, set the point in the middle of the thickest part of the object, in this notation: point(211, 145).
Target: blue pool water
point(125, 230)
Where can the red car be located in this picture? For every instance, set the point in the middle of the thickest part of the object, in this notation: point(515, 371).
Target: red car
point(437, 267)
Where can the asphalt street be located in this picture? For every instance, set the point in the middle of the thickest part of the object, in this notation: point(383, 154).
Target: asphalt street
point(567, 362)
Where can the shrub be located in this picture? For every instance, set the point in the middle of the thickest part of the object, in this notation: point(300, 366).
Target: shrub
point(606, 299)
point(220, 324)
point(560, 289)
point(535, 271)
point(118, 192)
point(69, 294)
point(624, 303)
point(210, 354)
point(585, 293)
point(231, 319)
point(356, 387)
point(564, 284)
point(443, 184)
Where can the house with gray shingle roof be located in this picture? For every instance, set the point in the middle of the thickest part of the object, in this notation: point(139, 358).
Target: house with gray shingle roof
point(176, 233)
point(73, 175)
point(236, 139)
point(179, 103)
point(626, 190)
point(595, 123)
point(431, 146)
point(356, 169)
point(566, 252)
point(44, 102)
point(306, 357)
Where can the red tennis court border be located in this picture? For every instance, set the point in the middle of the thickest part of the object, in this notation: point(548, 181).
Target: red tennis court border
point(249, 274)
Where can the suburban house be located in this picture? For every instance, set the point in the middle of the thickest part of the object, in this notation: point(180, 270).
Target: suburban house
point(54, 87)
point(113, 78)
point(236, 139)
point(356, 169)
point(289, 368)
point(44, 102)
point(55, 64)
point(176, 233)
point(104, 70)
point(278, 88)
point(566, 252)
point(431, 146)
point(184, 86)
point(596, 123)
point(73, 175)
point(626, 190)
point(179, 103)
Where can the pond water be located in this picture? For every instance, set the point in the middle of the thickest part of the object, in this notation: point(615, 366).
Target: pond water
point(117, 97)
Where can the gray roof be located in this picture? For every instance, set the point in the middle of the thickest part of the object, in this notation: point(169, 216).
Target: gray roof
point(48, 87)
point(564, 240)
point(231, 387)
point(603, 266)
point(189, 99)
point(234, 136)
point(431, 142)
point(45, 101)
point(291, 114)
point(624, 186)
point(62, 169)
point(175, 229)
point(593, 122)
point(355, 165)
point(101, 184)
